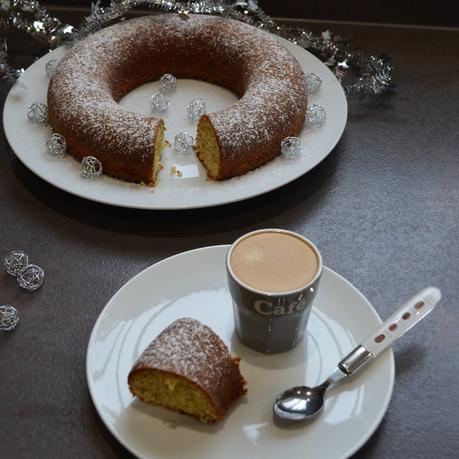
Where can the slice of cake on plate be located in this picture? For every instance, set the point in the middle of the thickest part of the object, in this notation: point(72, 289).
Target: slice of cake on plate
point(188, 369)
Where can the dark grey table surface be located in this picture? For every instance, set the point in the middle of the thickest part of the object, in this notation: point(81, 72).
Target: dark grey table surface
point(383, 208)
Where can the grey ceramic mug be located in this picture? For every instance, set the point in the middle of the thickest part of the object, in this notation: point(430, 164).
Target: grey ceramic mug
point(271, 322)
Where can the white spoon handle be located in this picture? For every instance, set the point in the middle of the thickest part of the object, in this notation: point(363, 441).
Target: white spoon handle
point(414, 310)
point(394, 327)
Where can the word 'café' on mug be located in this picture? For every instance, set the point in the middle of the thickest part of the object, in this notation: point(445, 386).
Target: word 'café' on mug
point(267, 308)
point(273, 277)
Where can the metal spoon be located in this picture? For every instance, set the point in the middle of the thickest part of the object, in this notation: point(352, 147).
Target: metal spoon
point(301, 403)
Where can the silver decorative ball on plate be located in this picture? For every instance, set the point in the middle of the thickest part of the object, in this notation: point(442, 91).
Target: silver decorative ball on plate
point(90, 167)
point(183, 142)
point(15, 261)
point(291, 148)
point(167, 82)
point(37, 112)
point(196, 108)
point(56, 145)
point(315, 116)
point(9, 317)
point(313, 82)
point(159, 102)
point(51, 67)
point(31, 278)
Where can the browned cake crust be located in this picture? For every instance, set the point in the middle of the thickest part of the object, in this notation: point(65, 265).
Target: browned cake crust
point(102, 68)
point(192, 351)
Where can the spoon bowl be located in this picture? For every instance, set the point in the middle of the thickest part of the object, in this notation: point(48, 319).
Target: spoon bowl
point(300, 403)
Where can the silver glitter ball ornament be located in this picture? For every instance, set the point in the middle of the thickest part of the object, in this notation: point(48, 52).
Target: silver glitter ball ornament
point(313, 82)
point(9, 317)
point(167, 82)
point(159, 102)
point(291, 147)
point(183, 142)
point(38, 113)
point(15, 261)
point(196, 108)
point(56, 145)
point(315, 116)
point(31, 278)
point(90, 167)
point(51, 67)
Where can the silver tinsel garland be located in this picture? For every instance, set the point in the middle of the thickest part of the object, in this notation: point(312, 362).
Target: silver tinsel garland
point(371, 74)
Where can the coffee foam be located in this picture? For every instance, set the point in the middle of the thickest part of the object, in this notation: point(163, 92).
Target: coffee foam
point(274, 262)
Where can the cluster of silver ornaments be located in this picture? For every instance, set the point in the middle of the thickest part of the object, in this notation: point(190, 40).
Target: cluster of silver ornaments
point(56, 145)
point(159, 101)
point(90, 167)
point(196, 108)
point(183, 142)
point(9, 317)
point(37, 113)
point(291, 148)
point(29, 277)
point(315, 116)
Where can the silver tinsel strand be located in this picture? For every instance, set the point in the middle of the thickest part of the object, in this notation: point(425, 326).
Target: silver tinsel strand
point(373, 74)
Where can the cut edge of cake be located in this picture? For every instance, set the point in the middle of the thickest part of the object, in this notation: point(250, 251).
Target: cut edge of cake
point(159, 144)
point(176, 393)
point(208, 148)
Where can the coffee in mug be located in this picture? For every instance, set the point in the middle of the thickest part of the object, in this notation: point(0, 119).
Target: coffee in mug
point(273, 277)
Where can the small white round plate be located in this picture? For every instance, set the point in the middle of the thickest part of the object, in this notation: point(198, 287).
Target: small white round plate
point(192, 189)
point(193, 284)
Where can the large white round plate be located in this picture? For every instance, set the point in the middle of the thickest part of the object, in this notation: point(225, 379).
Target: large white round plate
point(192, 189)
point(193, 284)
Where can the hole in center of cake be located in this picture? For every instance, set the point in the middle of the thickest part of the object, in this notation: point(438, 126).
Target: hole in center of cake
point(175, 116)
point(176, 119)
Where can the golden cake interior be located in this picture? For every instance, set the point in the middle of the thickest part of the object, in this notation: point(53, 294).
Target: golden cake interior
point(173, 392)
point(208, 147)
point(159, 146)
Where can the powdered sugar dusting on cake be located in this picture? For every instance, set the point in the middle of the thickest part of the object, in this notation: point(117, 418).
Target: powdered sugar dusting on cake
point(190, 349)
point(274, 95)
point(84, 89)
point(82, 99)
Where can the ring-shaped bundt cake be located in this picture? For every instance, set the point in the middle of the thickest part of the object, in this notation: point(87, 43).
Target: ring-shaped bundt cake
point(97, 72)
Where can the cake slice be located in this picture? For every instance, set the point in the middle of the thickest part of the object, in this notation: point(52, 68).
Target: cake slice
point(188, 369)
